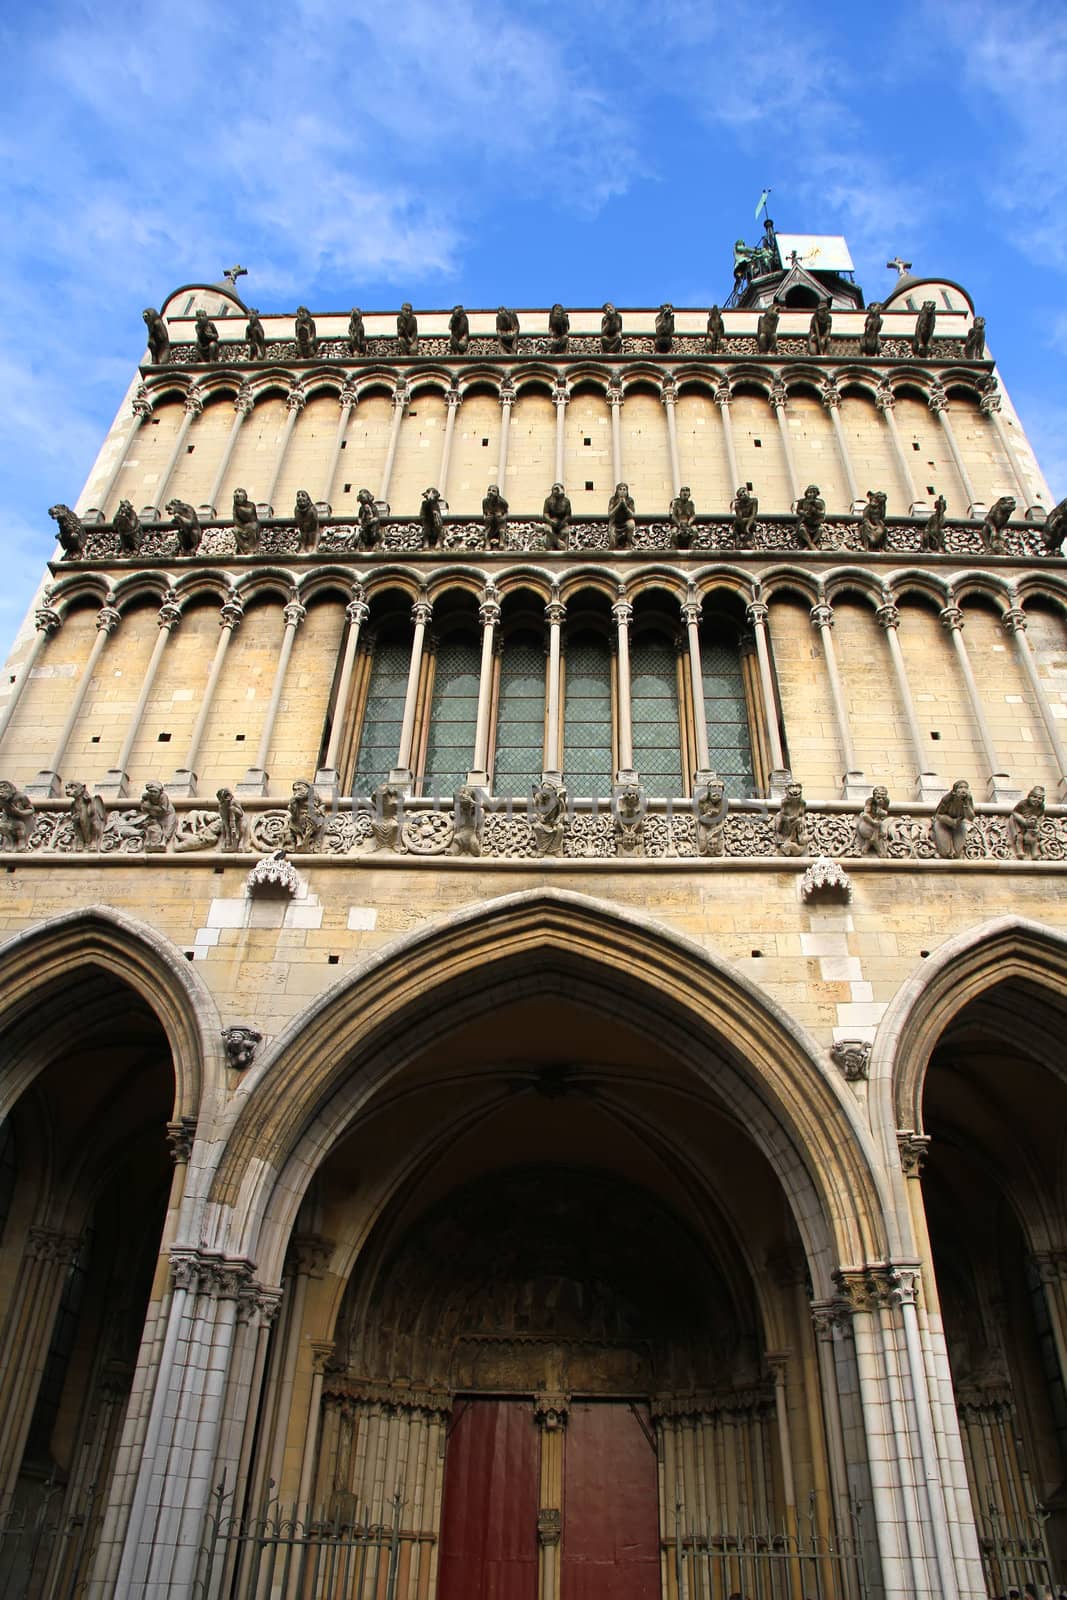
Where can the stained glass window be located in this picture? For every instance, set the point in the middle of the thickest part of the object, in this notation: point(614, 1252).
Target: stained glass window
point(587, 769)
point(729, 745)
point(453, 714)
point(380, 736)
point(654, 701)
point(520, 727)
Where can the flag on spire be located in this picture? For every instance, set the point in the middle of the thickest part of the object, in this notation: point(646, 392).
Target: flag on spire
point(764, 197)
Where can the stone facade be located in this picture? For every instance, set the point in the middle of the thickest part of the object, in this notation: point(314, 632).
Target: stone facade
point(440, 976)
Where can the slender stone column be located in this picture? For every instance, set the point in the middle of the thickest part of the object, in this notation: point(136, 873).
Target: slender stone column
point(117, 782)
point(886, 401)
point(31, 1312)
point(295, 402)
point(831, 399)
point(756, 616)
point(47, 622)
point(507, 400)
point(560, 396)
point(357, 611)
point(48, 782)
point(1000, 785)
point(670, 397)
point(832, 1325)
point(257, 779)
point(855, 788)
point(320, 1355)
point(622, 614)
point(938, 404)
point(778, 401)
point(615, 402)
point(722, 400)
point(691, 618)
point(242, 410)
point(421, 612)
point(400, 401)
point(928, 785)
point(194, 406)
point(555, 614)
point(452, 401)
point(348, 398)
point(1014, 620)
point(231, 616)
point(141, 406)
point(550, 1412)
point(990, 406)
point(489, 616)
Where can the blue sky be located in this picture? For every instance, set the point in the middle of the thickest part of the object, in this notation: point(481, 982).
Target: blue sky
point(437, 150)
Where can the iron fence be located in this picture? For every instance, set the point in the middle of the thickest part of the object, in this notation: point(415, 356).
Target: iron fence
point(795, 1562)
point(1015, 1555)
point(46, 1545)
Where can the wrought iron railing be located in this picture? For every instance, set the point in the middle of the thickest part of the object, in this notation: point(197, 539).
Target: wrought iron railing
point(46, 1545)
point(794, 1562)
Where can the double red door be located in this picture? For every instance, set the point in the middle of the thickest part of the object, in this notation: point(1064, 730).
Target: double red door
point(610, 1536)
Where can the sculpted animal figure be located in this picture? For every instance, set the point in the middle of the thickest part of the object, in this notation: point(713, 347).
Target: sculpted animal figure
point(306, 821)
point(665, 328)
point(158, 337)
point(716, 331)
point(1055, 530)
point(245, 524)
point(712, 807)
point(306, 517)
point(974, 344)
point(127, 524)
point(996, 521)
point(17, 817)
point(557, 513)
point(871, 337)
point(819, 330)
point(70, 530)
point(431, 518)
point(187, 525)
point(791, 823)
point(767, 332)
point(507, 330)
point(88, 816)
point(872, 522)
point(559, 329)
point(1024, 825)
point(925, 323)
point(256, 336)
point(871, 836)
point(932, 536)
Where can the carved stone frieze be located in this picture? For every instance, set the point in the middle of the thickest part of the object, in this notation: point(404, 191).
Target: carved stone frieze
point(208, 1273)
point(871, 1288)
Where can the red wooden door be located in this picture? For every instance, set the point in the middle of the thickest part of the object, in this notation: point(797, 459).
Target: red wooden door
point(489, 1515)
point(610, 1542)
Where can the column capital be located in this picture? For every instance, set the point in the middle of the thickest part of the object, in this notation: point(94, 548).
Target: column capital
point(990, 400)
point(421, 613)
point(756, 614)
point(507, 394)
point(1014, 620)
point(296, 399)
point(822, 615)
point(193, 404)
point(1050, 1265)
point(830, 394)
point(108, 619)
point(614, 394)
point(47, 620)
point(46, 1244)
point(561, 393)
point(779, 394)
point(888, 614)
point(691, 612)
point(866, 1288)
point(347, 395)
point(231, 613)
point(452, 398)
point(831, 1316)
point(914, 1148)
point(550, 1410)
point(723, 392)
point(170, 612)
point(141, 404)
point(951, 616)
point(489, 613)
point(401, 396)
point(357, 611)
point(555, 613)
point(937, 400)
point(243, 401)
point(884, 398)
point(294, 614)
point(180, 1137)
point(669, 391)
point(622, 612)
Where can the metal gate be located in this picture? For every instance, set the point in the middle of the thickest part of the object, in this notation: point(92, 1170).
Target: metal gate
point(791, 1563)
point(46, 1545)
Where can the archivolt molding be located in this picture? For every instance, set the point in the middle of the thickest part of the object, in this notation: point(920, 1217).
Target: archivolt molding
point(960, 971)
point(331, 1060)
point(845, 583)
point(66, 593)
point(38, 958)
point(266, 581)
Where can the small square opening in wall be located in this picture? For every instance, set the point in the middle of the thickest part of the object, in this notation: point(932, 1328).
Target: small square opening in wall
point(189, 449)
point(190, 955)
point(587, 441)
point(758, 443)
point(332, 961)
point(934, 734)
point(915, 444)
point(155, 422)
point(748, 483)
point(348, 488)
point(589, 485)
point(95, 739)
point(930, 489)
point(344, 444)
point(756, 954)
point(163, 738)
point(485, 443)
point(238, 738)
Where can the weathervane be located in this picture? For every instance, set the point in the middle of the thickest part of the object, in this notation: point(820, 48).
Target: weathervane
point(903, 267)
point(233, 273)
